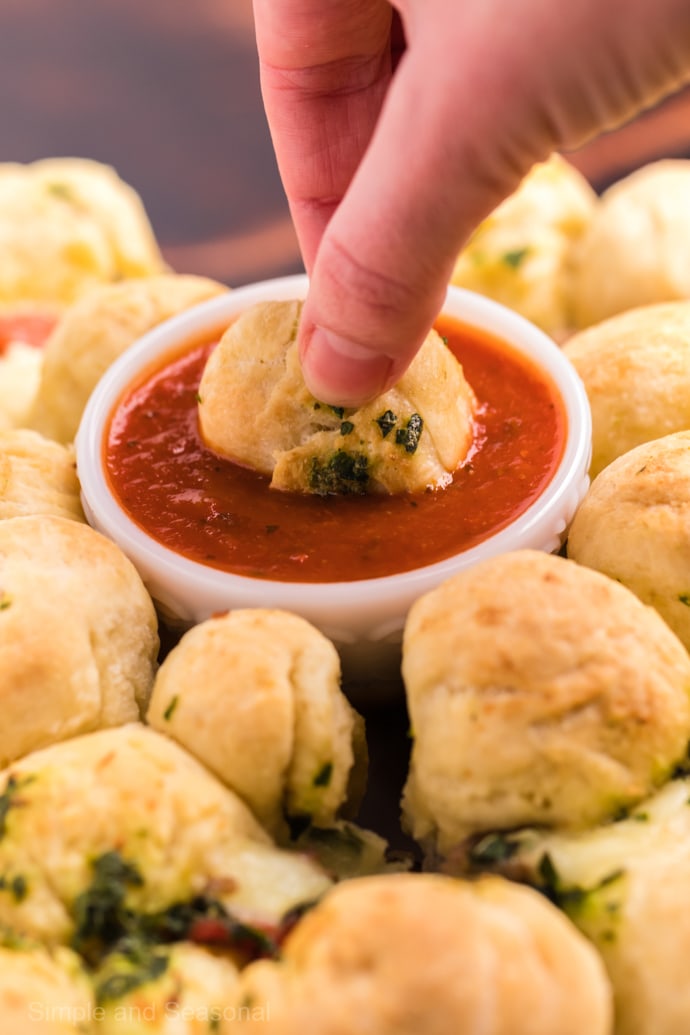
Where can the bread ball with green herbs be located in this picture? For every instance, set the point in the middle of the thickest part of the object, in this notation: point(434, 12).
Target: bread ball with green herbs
point(255, 695)
point(539, 692)
point(412, 953)
point(634, 526)
point(255, 409)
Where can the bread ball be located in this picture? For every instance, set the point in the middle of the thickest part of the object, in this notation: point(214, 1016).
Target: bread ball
point(78, 633)
point(540, 692)
point(122, 832)
point(37, 476)
point(412, 953)
point(255, 695)
point(636, 249)
point(43, 991)
point(634, 526)
point(67, 225)
point(94, 332)
point(625, 885)
point(255, 409)
point(636, 371)
point(520, 254)
point(179, 989)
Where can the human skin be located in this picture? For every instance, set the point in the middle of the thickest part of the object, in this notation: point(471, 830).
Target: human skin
point(399, 126)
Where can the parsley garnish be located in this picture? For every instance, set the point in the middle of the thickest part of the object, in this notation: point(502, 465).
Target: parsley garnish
point(409, 436)
point(515, 257)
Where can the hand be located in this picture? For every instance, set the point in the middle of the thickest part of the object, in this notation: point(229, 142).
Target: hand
point(393, 148)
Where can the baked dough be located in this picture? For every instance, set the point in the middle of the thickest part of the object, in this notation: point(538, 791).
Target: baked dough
point(94, 332)
point(255, 695)
point(189, 997)
point(43, 991)
point(67, 225)
point(78, 633)
point(634, 526)
point(625, 885)
point(255, 409)
point(520, 254)
point(636, 371)
point(636, 249)
point(167, 829)
point(413, 953)
point(37, 476)
point(539, 692)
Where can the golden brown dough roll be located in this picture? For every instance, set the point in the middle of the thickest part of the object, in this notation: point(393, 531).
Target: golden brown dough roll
point(625, 885)
point(37, 476)
point(636, 372)
point(634, 526)
point(255, 695)
point(94, 332)
point(416, 953)
point(520, 255)
point(636, 249)
point(180, 989)
point(122, 832)
point(540, 692)
point(67, 225)
point(255, 409)
point(78, 633)
point(43, 991)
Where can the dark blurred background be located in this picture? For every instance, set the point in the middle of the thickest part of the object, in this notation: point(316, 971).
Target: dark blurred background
point(167, 92)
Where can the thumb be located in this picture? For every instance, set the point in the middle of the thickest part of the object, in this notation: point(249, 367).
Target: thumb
point(469, 111)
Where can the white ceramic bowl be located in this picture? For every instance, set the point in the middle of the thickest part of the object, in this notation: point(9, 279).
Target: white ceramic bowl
point(364, 619)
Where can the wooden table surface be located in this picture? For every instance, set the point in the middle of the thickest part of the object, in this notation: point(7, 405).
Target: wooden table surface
point(167, 92)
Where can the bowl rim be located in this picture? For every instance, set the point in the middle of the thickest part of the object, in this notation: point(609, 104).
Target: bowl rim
point(104, 512)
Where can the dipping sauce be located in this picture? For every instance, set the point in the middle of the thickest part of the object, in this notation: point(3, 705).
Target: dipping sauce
point(220, 514)
point(28, 328)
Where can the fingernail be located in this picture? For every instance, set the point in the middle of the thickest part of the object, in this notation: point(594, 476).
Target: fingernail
point(341, 372)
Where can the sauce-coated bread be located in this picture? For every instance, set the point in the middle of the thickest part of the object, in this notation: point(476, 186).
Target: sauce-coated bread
point(634, 526)
point(255, 695)
point(78, 633)
point(255, 409)
point(37, 476)
point(541, 692)
point(636, 371)
point(94, 332)
point(413, 953)
point(636, 249)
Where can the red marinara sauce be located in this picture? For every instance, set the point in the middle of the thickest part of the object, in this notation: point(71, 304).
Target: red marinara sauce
point(26, 327)
point(213, 511)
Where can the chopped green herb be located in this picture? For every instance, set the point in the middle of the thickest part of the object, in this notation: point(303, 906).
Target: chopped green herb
point(8, 799)
point(409, 436)
point(515, 257)
point(133, 963)
point(323, 777)
point(198, 398)
point(569, 898)
point(170, 710)
point(60, 190)
point(5, 602)
point(344, 473)
point(101, 917)
point(339, 411)
point(494, 848)
point(17, 886)
point(684, 598)
point(444, 339)
point(347, 427)
point(386, 422)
